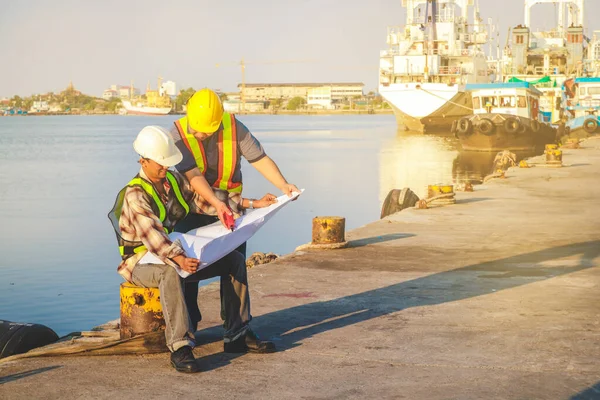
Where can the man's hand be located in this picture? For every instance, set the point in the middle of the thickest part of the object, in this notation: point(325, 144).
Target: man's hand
point(222, 209)
point(265, 201)
point(187, 264)
point(288, 189)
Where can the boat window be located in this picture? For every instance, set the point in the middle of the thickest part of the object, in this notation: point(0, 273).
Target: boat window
point(521, 101)
point(582, 91)
point(508, 101)
point(594, 90)
point(476, 103)
point(490, 101)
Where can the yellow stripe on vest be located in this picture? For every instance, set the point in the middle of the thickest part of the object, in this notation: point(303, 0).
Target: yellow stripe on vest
point(193, 145)
point(177, 191)
point(227, 153)
point(148, 188)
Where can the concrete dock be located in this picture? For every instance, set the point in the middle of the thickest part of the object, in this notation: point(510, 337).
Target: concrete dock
point(494, 297)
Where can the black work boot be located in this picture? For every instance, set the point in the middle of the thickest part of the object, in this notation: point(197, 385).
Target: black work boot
point(183, 360)
point(249, 343)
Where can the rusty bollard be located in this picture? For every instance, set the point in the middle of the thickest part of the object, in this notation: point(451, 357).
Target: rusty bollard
point(328, 230)
point(327, 233)
point(141, 312)
point(553, 155)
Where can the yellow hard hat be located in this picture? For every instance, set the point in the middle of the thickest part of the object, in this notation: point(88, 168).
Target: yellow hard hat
point(204, 111)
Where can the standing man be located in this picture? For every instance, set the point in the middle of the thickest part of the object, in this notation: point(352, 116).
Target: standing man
point(212, 143)
point(145, 211)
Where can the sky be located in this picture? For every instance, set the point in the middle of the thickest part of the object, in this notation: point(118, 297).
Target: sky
point(45, 44)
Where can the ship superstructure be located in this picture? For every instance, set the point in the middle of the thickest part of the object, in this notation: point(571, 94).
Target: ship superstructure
point(429, 60)
point(547, 58)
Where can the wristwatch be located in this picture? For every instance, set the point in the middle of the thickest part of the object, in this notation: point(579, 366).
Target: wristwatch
point(250, 203)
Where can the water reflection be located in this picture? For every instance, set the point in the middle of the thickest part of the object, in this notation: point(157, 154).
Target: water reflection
point(415, 160)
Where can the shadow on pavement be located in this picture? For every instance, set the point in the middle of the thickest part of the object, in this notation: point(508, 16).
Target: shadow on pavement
point(292, 325)
point(378, 239)
point(20, 375)
point(591, 393)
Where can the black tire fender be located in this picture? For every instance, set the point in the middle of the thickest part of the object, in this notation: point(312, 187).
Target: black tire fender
point(535, 125)
point(511, 125)
point(486, 127)
point(464, 127)
point(590, 125)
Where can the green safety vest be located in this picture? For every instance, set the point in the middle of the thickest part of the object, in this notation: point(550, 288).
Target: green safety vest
point(227, 144)
point(126, 247)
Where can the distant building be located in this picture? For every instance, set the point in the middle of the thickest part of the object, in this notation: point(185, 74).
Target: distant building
point(319, 97)
point(232, 95)
point(70, 90)
point(126, 92)
point(110, 94)
point(169, 88)
point(118, 91)
point(39, 106)
point(235, 106)
point(265, 91)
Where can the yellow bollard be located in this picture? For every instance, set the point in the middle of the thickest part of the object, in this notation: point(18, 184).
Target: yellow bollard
point(141, 311)
point(328, 230)
point(438, 190)
point(439, 195)
point(553, 155)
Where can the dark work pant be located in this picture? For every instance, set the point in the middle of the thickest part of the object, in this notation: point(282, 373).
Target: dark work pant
point(194, 221)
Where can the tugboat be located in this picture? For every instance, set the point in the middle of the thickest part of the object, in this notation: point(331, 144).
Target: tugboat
point(506, 116)
point(582, 105)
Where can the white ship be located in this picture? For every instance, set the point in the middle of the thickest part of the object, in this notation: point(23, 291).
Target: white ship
point(140, 108)
point(423, 72)
point(156, 102)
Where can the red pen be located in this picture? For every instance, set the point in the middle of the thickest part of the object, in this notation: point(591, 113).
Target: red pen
point(229, 221)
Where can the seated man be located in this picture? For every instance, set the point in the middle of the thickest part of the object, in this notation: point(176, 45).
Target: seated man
point(145, 211)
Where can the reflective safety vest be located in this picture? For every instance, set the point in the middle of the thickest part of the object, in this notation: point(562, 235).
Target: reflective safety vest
point(126, 247)
point(227, 144)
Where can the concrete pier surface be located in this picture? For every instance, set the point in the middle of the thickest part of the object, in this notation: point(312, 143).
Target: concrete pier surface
point(494, 297)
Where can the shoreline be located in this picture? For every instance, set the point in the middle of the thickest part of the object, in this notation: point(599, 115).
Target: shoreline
point(266, 112)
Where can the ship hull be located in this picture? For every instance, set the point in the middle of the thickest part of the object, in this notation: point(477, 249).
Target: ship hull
point(427, 107)
point(142, 110)
point(499, 138)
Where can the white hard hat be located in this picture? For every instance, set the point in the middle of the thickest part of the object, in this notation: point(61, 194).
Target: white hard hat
point(156, 143)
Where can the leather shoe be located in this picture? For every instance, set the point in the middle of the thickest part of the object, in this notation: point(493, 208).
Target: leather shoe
point(249, 343)
point(183, 360)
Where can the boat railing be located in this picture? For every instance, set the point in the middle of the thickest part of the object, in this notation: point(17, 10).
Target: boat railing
point(438, 18)
point(446, 70)
point(590, 103)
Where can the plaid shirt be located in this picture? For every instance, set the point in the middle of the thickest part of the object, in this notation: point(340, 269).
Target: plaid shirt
point(139, 223)
point(232, 199)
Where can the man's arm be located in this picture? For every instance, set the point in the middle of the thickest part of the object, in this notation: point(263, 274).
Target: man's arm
point(253, 151)
point(267, 167)
point(201, 186)
point(146, 225)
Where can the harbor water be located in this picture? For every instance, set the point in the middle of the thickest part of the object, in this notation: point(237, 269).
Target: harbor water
point(60, 176)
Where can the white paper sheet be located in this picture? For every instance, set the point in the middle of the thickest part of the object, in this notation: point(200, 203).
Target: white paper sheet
point(212, 242)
